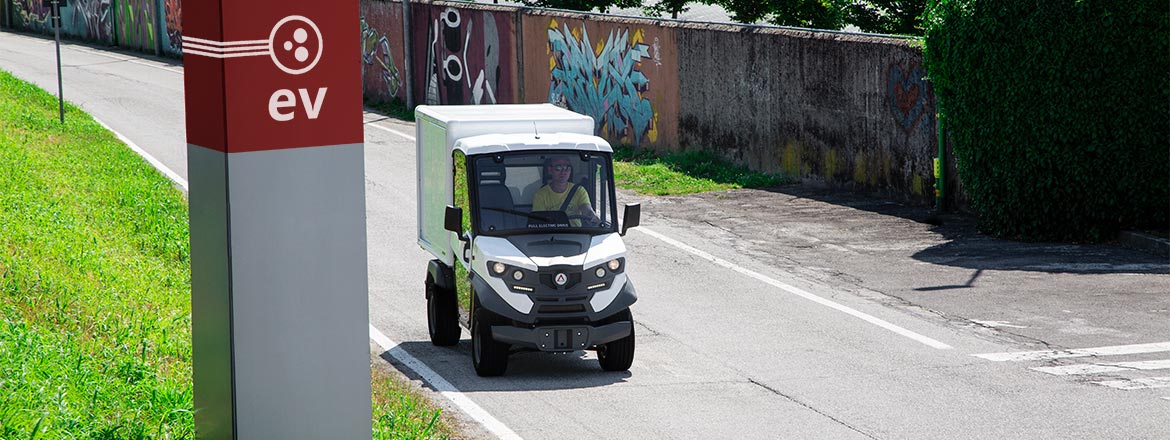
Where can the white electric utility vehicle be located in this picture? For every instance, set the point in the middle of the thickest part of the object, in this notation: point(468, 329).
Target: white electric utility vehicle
point(516, 203)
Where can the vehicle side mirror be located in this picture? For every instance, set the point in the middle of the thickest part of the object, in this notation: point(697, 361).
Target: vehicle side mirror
point(453, 220)
point(632, 215)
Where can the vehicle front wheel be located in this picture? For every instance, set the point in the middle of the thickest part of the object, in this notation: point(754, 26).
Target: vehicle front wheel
point(618, 355)
point(489, 357)
point(442, 315)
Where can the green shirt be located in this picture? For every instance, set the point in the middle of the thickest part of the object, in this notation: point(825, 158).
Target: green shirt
point(548, 200)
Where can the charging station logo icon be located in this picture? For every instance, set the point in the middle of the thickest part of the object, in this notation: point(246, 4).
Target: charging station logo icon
point(292, 44)
point(295, 46)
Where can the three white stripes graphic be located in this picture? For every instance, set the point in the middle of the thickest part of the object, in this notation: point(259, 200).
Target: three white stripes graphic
point(226, 49)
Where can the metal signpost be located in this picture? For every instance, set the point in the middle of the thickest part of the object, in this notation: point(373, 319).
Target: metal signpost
point(280, 324)
point(55, 15)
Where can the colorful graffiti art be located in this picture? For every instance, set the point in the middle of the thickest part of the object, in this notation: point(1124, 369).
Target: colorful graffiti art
point(31, 15)
point(604, 82)
point(173, 10)
point(91, 19)
point(136, 23)
point(451, 47)
point(376, 49)
point(907, 90)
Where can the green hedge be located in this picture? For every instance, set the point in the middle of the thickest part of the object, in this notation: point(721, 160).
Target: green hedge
point(1058, 110)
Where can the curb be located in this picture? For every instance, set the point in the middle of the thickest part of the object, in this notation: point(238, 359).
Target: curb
point(1146, 242)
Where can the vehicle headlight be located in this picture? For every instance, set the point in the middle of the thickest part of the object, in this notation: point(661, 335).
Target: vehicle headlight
point(614, 265)
point(499, 268)
point(600, 272)
point(517, 275)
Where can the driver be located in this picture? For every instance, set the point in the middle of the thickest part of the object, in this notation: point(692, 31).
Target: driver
point(552, 197)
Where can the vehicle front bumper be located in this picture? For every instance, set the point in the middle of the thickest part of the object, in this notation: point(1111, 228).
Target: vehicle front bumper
point(560, 338)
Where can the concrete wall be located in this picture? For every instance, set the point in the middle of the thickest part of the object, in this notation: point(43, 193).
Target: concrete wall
point(840, 109)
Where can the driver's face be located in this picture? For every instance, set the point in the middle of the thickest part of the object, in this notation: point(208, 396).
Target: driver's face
point(560, 169)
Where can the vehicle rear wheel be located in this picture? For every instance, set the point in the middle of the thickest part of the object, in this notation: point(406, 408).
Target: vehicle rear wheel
point(618, 355)
point(442, 315)
point(489, 357)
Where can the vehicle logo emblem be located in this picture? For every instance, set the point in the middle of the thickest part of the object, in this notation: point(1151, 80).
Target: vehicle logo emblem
point(561, 279)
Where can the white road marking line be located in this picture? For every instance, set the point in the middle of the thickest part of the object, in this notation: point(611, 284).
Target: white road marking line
point(391, 130)
point(1007, 324)
point(153, 162)
point(799, 292)
point(1136, 384)
point(1111, 367)
point(128, 60)
point(442, 386)
point(1079, 352)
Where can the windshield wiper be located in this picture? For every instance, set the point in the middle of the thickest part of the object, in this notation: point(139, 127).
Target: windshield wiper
point(520, 213)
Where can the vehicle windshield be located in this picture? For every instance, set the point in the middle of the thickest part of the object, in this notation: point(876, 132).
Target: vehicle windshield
point(535, 191)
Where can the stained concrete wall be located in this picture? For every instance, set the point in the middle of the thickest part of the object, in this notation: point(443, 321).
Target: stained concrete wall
point(835, 108)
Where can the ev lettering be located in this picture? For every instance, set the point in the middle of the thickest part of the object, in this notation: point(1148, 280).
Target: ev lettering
point(285, 99)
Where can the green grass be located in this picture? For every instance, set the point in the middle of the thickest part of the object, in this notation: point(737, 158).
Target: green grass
point(395, 108)
point(684, 173)
point(95, 339)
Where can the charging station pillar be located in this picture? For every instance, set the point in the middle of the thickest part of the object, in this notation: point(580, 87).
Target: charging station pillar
point(279, 315)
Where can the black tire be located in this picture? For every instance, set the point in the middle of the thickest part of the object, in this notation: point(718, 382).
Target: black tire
point(442, 315)
point(618, 355)
point(489, 357)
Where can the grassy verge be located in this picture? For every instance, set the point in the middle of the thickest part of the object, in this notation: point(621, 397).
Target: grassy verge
point(684, 173)
point(95, 338)
point(395, 108)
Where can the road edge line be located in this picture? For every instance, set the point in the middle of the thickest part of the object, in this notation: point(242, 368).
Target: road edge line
point(150, 159)
point(443, 386)
point(931, 342)
point(391, 130)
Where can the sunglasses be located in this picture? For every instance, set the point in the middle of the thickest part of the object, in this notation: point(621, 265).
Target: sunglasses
point(560, 167)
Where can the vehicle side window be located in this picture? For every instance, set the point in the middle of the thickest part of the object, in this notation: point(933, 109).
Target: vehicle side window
point(462, 199)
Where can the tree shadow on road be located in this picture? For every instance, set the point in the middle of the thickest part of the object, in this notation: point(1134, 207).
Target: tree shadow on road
point(966, 247)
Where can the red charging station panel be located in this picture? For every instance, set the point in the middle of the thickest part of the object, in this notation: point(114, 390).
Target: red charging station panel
point(271, 75)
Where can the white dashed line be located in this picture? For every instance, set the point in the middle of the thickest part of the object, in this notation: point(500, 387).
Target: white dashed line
point(1136, 384)
point(1111, 367)
point(1079, 352)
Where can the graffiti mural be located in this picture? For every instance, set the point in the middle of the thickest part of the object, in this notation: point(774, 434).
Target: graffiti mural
point(31, 15)
point(908, 92)
point(376, 52)
point(463, 53)
point(173, 15)
point(89, 19)
point(604, 81)
point(135, 23)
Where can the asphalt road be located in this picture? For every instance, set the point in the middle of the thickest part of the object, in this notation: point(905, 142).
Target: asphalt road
point(792, 313)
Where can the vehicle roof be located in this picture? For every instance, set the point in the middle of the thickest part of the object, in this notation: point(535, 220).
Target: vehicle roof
point(495, 143)
point(499, 112)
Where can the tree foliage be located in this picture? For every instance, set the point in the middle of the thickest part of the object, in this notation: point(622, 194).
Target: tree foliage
point(1059, 111)
point(583, 5)
point(887, 16)
point(819, 14)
